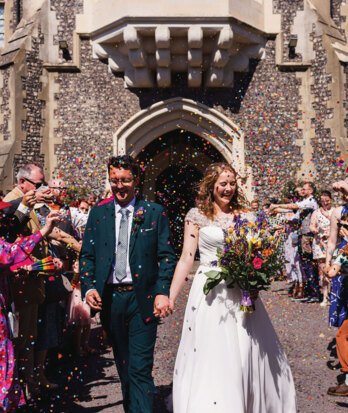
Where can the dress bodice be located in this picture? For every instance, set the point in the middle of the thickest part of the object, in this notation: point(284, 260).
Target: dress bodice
point(211, 234)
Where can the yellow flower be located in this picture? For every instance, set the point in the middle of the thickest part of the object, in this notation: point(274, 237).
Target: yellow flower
point(228, 240)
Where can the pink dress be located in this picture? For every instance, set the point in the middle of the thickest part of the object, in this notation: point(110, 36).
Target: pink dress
point(79, 313)
point(11, 394)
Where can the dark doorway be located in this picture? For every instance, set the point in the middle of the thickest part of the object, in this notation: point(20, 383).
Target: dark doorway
point(173, 165)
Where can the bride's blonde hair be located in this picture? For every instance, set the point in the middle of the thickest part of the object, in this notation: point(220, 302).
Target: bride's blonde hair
point(205, 197)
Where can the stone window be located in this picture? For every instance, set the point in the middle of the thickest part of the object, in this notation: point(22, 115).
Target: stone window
point(2, 26)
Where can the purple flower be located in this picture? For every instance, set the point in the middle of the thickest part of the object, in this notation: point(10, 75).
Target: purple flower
point(138, 216)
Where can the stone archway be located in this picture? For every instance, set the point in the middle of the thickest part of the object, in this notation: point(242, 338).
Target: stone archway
point(172, 166)
point(188, 115)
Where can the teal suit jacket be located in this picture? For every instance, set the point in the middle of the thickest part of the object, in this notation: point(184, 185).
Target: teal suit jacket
point(151, 256)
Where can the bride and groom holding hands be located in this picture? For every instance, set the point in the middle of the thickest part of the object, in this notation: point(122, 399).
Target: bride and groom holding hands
point(227, 360)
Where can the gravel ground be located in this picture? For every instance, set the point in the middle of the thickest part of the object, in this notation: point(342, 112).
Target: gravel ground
point(89, 385)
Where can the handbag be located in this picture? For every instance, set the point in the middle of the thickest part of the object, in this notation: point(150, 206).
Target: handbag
point(57, 288)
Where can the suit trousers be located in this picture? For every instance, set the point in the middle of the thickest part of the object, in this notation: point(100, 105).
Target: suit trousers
point(342, 346)
point(133, 343)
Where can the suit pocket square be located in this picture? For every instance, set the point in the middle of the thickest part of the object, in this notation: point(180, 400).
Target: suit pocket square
point(146, 230)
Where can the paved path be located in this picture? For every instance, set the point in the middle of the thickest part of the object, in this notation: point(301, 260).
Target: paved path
point(91, 385)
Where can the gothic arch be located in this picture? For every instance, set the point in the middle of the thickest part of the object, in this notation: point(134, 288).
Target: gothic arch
point(179, 113)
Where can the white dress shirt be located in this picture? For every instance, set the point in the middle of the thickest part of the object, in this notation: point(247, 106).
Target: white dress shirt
point(130, 207)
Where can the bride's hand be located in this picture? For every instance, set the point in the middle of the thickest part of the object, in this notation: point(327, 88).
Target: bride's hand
point(161, 306)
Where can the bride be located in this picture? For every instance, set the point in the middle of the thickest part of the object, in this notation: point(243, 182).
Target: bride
point(228, 361)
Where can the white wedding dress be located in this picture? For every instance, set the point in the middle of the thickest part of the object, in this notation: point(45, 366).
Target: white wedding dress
point(228, 361)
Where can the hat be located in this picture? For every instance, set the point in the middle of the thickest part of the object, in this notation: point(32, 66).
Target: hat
point(4, 205)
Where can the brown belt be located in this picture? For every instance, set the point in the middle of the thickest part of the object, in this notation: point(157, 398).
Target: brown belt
point(121, 288)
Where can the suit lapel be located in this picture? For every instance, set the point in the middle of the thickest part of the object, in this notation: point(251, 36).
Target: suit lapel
point(135, 228)
point(110, 225)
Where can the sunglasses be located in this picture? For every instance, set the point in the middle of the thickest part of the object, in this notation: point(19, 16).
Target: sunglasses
point(36, 184)
point(340, 225)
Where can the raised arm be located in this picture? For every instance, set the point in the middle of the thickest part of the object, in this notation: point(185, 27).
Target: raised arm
point(185, 263)
point(313, 226)
point(61, 236)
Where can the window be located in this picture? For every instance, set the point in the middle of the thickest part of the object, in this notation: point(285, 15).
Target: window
point(2, 26)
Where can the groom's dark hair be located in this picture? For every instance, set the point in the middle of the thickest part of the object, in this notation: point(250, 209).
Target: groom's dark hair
point(124, 162)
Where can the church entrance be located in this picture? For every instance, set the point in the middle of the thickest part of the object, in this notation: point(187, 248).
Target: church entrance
point(172, 165)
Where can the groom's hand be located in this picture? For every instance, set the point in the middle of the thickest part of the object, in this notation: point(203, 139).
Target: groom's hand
point(93, 300)
point(161, 306)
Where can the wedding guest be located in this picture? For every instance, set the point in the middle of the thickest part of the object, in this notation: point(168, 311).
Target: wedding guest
point(28, 292)
point(342, 335)
point(255, 205)
point(320, 227)
point(51, 312)
point(79, 216)
point(79, 317)
point(304, 209)
point(92, 199)
point(338, 238)
point(11, 394)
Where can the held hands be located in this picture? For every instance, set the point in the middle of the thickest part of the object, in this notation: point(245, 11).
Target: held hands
point(162, 307)
point(93, 300)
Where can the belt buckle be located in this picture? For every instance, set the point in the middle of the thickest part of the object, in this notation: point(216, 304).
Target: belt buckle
point(124, 288)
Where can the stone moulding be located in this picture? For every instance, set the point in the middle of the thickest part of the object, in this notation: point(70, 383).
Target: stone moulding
point(184, 114)
point(148, 53)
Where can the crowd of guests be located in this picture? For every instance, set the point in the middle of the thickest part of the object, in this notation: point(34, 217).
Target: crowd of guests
point(314, 229)
point(39, 220)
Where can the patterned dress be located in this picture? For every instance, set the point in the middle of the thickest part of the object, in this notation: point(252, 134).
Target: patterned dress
point(320, 239)
point(11, 394)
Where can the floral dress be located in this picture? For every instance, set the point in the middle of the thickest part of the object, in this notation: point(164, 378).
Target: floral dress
point(320, 239)
point(11, 394)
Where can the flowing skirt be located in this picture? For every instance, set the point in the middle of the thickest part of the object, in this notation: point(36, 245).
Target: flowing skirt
point(229, 361)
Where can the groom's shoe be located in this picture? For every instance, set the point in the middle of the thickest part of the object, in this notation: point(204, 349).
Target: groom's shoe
point(340, 390)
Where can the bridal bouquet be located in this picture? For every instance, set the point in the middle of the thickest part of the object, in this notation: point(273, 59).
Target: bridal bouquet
point(249, 259)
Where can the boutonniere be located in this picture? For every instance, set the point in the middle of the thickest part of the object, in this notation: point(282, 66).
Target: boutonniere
point(138, 217)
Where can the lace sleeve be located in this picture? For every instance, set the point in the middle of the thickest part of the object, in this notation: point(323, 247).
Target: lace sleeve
point(196, 217)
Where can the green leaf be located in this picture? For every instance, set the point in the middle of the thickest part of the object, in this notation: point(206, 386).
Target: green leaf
point(210, 284)
point(213, 274)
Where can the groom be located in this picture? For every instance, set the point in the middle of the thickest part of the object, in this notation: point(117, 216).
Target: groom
point(127, 263)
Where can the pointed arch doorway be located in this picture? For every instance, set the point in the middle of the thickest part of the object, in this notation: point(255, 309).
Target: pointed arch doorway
point(172, 165)
point(175, 140)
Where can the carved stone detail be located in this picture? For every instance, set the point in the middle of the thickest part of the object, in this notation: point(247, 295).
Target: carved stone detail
point(149, 54)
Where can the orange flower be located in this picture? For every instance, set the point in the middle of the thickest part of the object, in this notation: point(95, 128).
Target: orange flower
point(267, 253)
